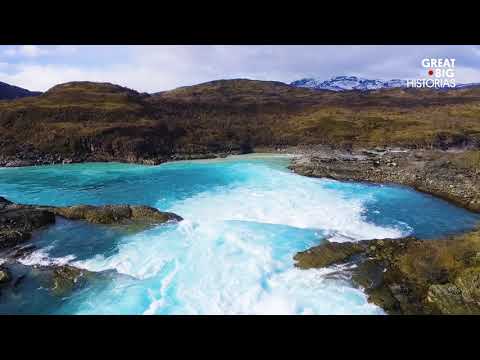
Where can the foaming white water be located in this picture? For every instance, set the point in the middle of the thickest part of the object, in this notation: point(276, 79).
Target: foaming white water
point(233, 253)
point(283, 198)
point(308, 292)
point(222, 268)
point(42, 258)
point(157, 303)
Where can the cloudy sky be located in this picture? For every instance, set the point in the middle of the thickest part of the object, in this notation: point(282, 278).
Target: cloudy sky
point(162, 67)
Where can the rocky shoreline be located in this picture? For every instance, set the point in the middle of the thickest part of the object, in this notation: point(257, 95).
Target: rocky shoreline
point(35, 159)
point(450, 175)
point(17, 222)
point(408, 275)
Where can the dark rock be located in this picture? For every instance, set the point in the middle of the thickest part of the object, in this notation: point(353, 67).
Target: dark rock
point(59, 280)
point(452, 176)
point(147, 213)
point(63, 279)
point(4, 276)
point(460, 297)
point(25, 219)
point(327, 254)
point(4, 202)
point(9, 238)
point(18, 221)
point(410, 276)
point(18, 163)
point(115, 214)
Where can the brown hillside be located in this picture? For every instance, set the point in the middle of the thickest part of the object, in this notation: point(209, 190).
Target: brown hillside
point(101, 121)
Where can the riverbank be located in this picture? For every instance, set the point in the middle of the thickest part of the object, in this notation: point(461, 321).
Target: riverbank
point(408, 275)
point(34, 159)
point(450, 175)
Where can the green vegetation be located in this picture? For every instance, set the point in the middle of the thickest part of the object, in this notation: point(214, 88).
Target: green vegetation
point(468, 160)
point(111, 122)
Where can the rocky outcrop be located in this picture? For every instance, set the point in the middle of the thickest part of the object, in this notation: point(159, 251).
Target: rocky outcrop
point(35, 158)
point(462, 296)
point(58, 280)
point(115, 214)
point(17, 222)
point(327, 254)
point(62, 280)
point(4, 275)
point(409, 276)
point(26, 218)
point(453, 176)
point(406, 276)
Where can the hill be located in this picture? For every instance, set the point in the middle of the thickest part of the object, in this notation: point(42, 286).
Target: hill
point(8, 92)
point(100, 121)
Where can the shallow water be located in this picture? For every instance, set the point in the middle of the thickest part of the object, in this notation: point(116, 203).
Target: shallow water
point(245, 217)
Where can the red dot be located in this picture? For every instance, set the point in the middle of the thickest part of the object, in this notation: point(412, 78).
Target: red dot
point(430, 72)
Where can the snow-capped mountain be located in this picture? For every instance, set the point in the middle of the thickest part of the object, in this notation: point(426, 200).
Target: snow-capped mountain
point(342, 83)
point(466, 86)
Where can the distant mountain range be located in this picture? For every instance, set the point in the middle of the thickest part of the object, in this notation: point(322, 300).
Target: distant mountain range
point(9, 92)
point(338, 83)
point(344, 83)
point(466, 86)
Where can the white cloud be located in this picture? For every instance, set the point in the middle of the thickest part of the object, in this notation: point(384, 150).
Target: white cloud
point(25, 51)
point(34, 51)
point(65, 49)
point(10, 52)
point(43, 77)
point(156, 68)
point(31, 50)
point(467, 75)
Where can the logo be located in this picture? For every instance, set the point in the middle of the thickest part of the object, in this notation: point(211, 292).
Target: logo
point(438, 73)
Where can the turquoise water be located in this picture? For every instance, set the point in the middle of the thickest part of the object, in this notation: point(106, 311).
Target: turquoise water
point(245, 217)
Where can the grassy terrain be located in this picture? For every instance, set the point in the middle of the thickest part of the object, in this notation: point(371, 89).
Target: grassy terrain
point(84, 117)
